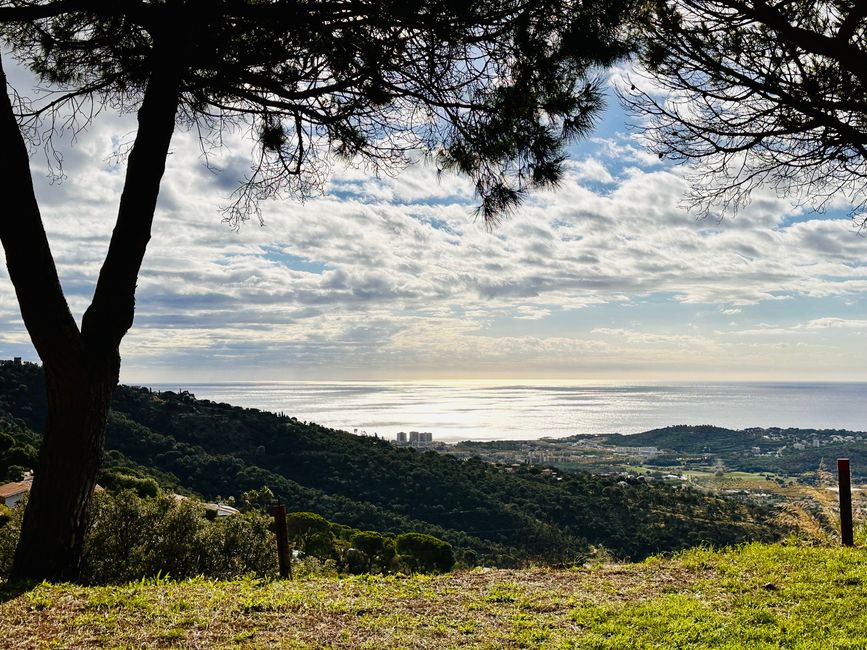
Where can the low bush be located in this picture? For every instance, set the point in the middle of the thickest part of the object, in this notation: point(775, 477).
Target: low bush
point(130, 538)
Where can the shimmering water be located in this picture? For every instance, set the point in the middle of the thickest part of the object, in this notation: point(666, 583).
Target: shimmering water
point(486, 410)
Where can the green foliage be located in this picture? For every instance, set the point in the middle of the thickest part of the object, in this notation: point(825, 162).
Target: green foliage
point(117, 479)
point(377, 550)
point(367, 483)
point(310, 533)
point(10, 527)
point(349, 550)
point(132, 537)
point(18, 445)
point(702, 438)
point(260, 499)
point(424, 553)
point(503, 85)
point(735, 445)
point(19, 393)
point(239, 545)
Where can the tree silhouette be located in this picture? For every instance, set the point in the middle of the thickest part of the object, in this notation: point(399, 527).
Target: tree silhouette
point(492, 89)
point(759, 92)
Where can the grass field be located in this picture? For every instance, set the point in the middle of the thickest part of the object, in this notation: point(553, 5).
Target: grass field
point(754, 597)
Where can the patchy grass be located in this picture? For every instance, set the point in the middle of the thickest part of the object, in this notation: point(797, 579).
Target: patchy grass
point(757, 596)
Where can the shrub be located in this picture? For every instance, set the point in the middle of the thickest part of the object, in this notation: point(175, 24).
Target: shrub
point(260, 499)
point(377, 549)
point(310, 533)
point(10, 526)
point(424, 553)
point(117, 480)
point(132, 538)
point(240, 545)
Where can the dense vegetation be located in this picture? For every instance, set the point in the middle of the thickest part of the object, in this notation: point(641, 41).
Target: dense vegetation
point(131, 537)
point(489, 514)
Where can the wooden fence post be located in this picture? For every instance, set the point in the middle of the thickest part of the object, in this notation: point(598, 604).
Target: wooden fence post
point(283, 557)
point(845, 483)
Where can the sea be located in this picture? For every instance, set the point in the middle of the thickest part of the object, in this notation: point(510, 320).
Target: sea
point(523, 410)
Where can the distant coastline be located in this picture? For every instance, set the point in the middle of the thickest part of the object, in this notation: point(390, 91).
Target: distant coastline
point(497, 410)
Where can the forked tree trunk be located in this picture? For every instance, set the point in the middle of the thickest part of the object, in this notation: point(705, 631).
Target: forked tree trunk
point(52, 535)
point(81, 366)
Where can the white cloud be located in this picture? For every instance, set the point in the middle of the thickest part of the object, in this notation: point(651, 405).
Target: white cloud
point(394, 275)
point(837, 323)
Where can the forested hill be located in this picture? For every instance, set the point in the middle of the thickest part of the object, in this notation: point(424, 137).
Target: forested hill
point(497, 515)
point(690, 439)
point(786, 452)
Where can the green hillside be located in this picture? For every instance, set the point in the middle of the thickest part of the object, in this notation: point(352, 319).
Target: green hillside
point(489, 514)
point(754, 597)
point(790, 452)
point(694, 439)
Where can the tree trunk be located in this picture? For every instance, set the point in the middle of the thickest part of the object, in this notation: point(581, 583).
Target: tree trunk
point(81, 366)
point(52, 534)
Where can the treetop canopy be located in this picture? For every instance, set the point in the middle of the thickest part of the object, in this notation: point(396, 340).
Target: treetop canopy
point(759, 93)
point(491, 88)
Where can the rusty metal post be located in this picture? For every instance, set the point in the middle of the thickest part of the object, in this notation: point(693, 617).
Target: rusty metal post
point(846, 535)
point(283, 557)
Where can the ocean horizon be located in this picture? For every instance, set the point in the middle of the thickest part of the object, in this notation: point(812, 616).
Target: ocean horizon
point(509, 410)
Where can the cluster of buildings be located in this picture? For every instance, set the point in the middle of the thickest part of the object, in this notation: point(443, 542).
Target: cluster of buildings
point(414, 439)
point(800, 444)
point(642, 453)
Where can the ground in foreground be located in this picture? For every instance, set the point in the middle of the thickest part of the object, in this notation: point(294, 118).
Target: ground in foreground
point(754, 597)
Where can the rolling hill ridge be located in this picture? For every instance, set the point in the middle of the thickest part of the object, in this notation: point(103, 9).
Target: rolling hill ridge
point(491, 515)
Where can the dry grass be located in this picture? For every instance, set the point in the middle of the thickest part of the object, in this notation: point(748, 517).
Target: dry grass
point(759, 596)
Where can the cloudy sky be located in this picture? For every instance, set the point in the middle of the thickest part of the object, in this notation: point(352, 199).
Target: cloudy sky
point(607, 277)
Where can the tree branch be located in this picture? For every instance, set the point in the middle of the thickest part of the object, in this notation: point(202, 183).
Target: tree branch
point(30, 12)
point(848, 55)
point(31, 266)
point(38, 11)
point(110, 314)
point(851, 22)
